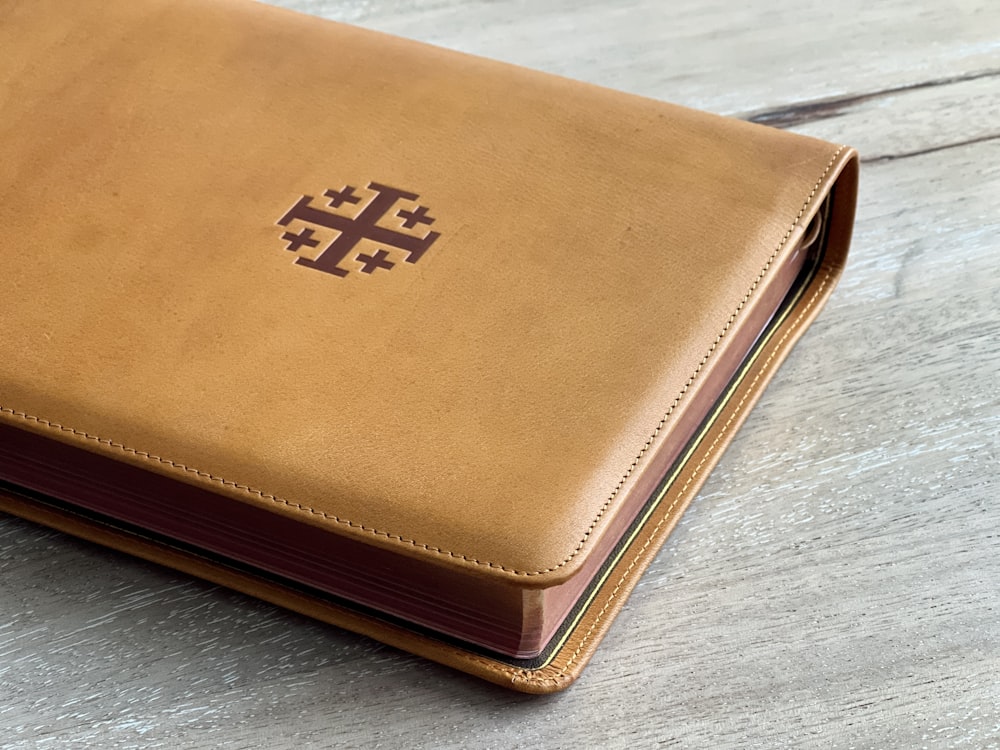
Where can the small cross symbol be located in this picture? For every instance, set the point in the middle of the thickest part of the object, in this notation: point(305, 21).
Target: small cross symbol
point(414, 217)
point(378, 260)
point(302, 239)
point(344, 196)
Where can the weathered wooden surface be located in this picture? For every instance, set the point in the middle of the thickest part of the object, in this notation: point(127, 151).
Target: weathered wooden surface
point(836, 585)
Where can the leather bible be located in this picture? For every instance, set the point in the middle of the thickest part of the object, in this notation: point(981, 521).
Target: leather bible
point(426, 346)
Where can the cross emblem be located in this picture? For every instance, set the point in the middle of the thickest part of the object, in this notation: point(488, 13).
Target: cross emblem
point(363, 226)
point(412, 218)
point(378, 260)
point(338, 197)
point(300, 240)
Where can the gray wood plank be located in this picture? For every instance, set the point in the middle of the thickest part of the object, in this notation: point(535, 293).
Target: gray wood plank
point(720, 56)
point(836, 584)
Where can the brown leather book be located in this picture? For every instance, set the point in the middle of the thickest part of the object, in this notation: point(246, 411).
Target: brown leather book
point(431, 347)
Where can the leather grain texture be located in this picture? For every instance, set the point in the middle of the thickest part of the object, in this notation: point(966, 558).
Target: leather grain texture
point(484, 407)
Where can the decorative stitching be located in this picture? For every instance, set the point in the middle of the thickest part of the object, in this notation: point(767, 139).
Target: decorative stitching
point(533, 677)
point(438, 550)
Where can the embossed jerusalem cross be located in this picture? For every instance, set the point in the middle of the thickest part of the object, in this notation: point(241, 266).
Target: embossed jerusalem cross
point(363, 227)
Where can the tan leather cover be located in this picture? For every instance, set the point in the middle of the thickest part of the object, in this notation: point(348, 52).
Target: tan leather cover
point(477, 391)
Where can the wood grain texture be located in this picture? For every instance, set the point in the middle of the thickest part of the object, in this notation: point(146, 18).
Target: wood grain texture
point(836, 584)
